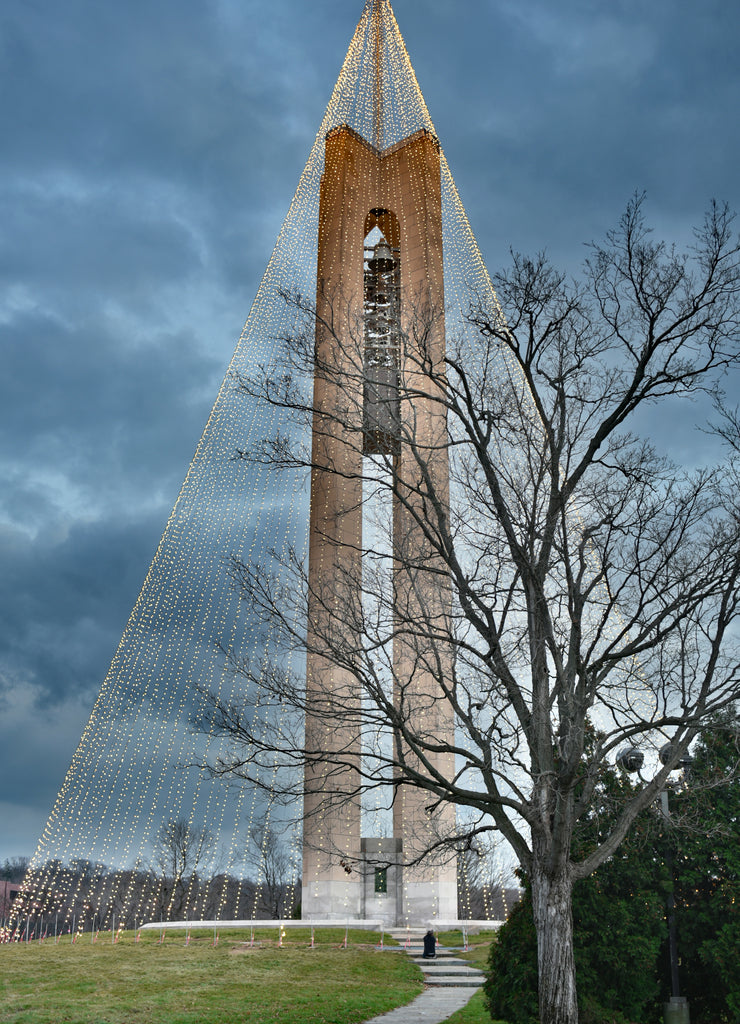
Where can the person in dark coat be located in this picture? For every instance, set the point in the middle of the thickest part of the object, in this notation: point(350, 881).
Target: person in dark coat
point(430, 946)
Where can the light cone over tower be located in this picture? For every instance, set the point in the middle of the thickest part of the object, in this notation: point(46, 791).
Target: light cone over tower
point(376, 223)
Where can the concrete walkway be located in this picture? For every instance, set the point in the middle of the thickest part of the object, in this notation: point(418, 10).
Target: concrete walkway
point(449, 985)
point(433, 1006)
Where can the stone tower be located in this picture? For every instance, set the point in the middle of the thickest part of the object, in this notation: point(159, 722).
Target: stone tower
point(376, 296)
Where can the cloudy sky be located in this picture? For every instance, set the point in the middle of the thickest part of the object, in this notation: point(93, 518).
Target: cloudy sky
point(148, 154)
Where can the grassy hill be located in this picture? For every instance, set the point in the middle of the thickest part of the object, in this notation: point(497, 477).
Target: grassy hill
point(147, 982)
point(192, 981)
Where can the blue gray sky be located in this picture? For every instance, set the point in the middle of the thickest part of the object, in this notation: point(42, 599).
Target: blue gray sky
point(149, 152)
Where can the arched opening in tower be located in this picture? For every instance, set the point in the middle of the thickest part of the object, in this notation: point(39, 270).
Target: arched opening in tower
point(381, 447)
point(382, 333)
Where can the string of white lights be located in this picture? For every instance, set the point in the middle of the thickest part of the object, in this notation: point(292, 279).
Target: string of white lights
point(135, 769)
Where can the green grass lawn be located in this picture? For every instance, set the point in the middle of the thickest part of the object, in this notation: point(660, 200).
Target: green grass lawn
point(474, 1012)
point(149, 983)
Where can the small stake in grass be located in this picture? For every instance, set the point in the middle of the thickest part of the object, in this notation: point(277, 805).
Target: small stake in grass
point(312, 937)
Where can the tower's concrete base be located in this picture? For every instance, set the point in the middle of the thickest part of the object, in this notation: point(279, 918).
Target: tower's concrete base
point(379, 888)
point(332, 899)
point(429, 901)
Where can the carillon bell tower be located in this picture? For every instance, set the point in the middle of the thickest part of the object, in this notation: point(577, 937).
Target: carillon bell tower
point(379, 273)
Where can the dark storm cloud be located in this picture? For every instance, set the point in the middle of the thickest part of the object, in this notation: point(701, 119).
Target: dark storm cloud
point(63, 604)
point(59, 381)
point(566, 109)
point(65, 601)
point(149, 152)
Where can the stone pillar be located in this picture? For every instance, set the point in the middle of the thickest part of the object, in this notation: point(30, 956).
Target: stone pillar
point(422, 596)
point(676, 1011)
point(332, 884)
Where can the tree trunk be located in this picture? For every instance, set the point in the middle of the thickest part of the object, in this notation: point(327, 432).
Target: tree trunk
point(553, 921)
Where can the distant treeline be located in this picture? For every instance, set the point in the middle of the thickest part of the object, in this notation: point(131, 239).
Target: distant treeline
point(84, 896)
point(13, 869)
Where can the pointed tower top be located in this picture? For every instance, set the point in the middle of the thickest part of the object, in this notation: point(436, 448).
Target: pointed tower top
point(377, 94)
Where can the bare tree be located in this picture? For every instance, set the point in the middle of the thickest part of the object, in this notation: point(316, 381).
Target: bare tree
point(590, 577)
point(275, 889)
point(486, 888)
point(180, 849)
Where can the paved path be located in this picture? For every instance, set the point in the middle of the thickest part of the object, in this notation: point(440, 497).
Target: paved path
point(434, 1005)
point(449, 985)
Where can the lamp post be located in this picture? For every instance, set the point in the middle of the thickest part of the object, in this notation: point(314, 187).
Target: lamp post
point(676, 1010)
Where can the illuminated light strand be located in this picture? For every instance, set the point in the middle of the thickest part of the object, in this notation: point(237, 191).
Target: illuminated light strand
point(125, 780)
